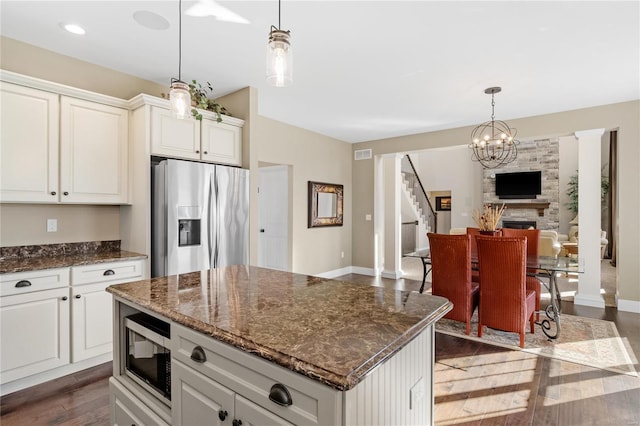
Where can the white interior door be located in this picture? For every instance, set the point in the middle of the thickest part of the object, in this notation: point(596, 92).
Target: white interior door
point(273, 201)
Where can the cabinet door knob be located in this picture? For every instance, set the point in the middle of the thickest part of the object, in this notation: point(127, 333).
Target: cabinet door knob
point(280, 395)
point(108, 272)
point(205, 153)
point(53, 192)
point(236, 422)
point(65, 193)
point(197, 151)
point(78, 296)
point(198, 355)
point(64, 297)
point(23, 283)
point(222, 415)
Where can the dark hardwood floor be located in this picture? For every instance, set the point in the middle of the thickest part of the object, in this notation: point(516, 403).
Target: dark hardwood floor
point(474, 384)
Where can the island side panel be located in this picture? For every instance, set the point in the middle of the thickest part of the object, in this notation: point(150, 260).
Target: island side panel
point(399, 391)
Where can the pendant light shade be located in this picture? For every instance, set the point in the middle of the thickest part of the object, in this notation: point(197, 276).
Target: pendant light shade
point(179, 96)
point(279, 56)
point(180, 99)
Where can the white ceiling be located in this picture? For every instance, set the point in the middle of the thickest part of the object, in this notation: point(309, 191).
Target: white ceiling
point(366, 70)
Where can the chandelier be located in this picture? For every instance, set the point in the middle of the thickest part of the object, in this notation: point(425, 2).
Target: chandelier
point(493, 142)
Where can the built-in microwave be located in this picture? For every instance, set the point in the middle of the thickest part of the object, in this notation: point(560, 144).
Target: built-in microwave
point(148, 357)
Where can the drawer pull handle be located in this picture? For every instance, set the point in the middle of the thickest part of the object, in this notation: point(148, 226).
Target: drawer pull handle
point(280, 395)
point(222, 415)
point(108, 272)
point(23, 283)
point(236, 422)
point(64, 297)
point(198, 355)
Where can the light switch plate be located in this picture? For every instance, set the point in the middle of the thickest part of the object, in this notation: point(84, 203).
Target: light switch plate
point(52, 225)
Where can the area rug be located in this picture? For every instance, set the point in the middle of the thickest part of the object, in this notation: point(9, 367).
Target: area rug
point(586, 341)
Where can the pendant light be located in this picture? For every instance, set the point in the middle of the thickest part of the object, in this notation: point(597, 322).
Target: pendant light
point(493, 142)
point(279, 56)
point(179, 96)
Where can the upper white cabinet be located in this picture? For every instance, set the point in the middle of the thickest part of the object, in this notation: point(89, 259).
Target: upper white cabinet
point(221, 142)
point(174, 137)
point(29, 141)
point(93, 152)
point(205, 140)
point(61, 149)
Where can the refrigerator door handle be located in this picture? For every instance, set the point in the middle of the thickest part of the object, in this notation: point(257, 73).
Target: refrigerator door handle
point(209, 224)
point(217, 224)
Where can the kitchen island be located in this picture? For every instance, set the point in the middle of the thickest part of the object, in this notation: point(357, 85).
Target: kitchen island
point(258, 346)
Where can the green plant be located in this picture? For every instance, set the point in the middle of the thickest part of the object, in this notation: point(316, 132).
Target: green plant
point(200, 99)
point(572, 192)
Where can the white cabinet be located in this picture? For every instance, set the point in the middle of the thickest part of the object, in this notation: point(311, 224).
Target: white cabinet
point(34, 322)
point(93, 152)
point(127, 410)
point(221, 142)
point(198, 400)
point(205, 140)
point(60, 149)
point(174, 137)
point(92, 306)
point(29, 141)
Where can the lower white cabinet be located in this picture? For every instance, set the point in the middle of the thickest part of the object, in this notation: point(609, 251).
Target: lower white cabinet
point(35, 332)
point(127, 410)
point(57, 321)
point(198, 400)
point(92, 306)
point(34, 322)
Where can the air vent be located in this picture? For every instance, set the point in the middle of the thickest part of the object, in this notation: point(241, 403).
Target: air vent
point(363, 154)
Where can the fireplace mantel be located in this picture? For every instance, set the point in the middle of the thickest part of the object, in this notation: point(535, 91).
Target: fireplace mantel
point(540, 207)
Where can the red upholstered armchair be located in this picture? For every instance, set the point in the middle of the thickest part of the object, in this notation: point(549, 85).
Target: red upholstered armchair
point(533, 238)
point(451, 275)
point(505, 302)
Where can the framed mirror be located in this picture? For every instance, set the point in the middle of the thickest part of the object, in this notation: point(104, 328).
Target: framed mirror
point(325, 204)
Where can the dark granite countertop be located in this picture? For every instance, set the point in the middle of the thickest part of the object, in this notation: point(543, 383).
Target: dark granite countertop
point(49, 256)
point(331, 331)
point(37, 263)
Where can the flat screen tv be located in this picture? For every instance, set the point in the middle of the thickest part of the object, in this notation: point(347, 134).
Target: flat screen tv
point(518, 185)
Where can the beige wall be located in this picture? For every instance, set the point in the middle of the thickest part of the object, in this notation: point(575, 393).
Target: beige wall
point(311, 156)
point(40, 63)
point(622, 116)
point(23, 224)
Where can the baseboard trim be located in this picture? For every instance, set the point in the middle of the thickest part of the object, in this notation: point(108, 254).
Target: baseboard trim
point(349, 270)
point(45, 376)
point(588, 300)
point(394, 275)
point(629, 306)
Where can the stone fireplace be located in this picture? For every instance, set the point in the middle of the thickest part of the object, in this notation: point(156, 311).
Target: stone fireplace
point(544, 155)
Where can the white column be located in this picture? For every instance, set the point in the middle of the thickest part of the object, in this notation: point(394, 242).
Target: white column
point(392, 217)
point(589, 210)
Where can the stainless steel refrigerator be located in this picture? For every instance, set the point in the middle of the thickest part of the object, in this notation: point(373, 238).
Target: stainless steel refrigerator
point(200, 217)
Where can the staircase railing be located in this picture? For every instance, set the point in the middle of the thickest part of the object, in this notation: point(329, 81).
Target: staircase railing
point(421, 195)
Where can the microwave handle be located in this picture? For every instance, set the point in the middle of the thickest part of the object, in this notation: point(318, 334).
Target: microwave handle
point(145, 332)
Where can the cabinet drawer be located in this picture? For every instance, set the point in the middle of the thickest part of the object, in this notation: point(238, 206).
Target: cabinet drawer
point(27, 282)
point(127, 410)
point(111, 272)
point(253, 378)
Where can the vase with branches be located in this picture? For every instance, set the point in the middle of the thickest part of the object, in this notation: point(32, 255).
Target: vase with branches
point(488, 219)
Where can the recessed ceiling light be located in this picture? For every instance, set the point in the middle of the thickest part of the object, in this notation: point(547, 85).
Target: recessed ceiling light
point(150, 20)
point(73, 28)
